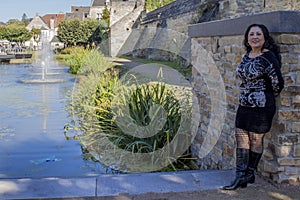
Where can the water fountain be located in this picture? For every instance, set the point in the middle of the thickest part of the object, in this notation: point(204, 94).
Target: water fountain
point(45, 62)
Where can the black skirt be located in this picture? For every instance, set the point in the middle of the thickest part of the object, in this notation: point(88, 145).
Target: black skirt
point(258, 119)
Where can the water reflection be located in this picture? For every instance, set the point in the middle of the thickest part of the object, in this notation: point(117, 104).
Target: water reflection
point(32, 118)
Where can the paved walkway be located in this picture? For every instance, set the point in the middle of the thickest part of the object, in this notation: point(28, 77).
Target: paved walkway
point(114, 184)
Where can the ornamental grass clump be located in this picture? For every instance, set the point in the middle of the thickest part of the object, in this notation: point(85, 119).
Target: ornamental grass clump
point(73, 57)
point(144, 119)
point(135, 118)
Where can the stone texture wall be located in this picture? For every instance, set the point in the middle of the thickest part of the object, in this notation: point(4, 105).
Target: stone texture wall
point(237, 8)
point(282, 147)
point(120, 9)
point(123, 17)
point(162, 34)
point(281, 159)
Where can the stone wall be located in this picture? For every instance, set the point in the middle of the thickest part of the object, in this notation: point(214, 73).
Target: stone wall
point(215, 54)
point(238, 8)
point(162, 34)
point(120, 9)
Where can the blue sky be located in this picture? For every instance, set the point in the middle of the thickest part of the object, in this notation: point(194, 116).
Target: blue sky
point(14, 9)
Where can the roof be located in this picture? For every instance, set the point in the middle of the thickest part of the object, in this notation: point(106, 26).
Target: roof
point(37, 22)
point(56, 17)
point(98, 3)
point(55, 39)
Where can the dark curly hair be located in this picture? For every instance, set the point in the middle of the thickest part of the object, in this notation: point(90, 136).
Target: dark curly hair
point(269, 41)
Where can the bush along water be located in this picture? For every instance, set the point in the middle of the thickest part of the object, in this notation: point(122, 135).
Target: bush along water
point(107, 114)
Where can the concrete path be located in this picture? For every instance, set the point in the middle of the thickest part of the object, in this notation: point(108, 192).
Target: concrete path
point(114, 184)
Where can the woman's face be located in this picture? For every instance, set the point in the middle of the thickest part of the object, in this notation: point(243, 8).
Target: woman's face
point(256, 38)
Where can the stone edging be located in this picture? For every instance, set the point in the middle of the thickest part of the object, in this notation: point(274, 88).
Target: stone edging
point(276, 21)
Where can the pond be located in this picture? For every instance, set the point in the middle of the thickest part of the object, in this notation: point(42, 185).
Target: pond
point(32, 119)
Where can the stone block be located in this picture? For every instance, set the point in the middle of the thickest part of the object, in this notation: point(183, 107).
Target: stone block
point(290, 58)
point(291, 170)
point(295, 48)
point(277, 128)
point(268, 155)
point(272, 167)
point(289, 161)
point(292, 89)
point(230, 57)
point(285, 101)
point(287, 139)
point(289, 80)
point(283, 151)
point(289, 115)
point(228, 149)
point(296, 150)
point(288, 39)
point(296, 100)
point(284, 48)
point(227, 49)
point(295, 127)
point(236, 49)
point(286, 179)
point(295, 68)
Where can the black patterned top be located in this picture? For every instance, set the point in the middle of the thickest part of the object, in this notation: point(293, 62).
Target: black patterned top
point(261, 80)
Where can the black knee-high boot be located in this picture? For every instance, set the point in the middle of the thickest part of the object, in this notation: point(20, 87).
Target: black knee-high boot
point(254, 159)
point(242, 157)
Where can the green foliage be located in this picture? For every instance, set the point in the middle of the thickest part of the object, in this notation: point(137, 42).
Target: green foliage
point(97, 95)
point(25, 19)
point(35, 32)
point(83, 61)
point(86, 29)
point(94, 63)
point(141, 99)
point(15, 33)
point(154, 4)
point(75, 32)
point(99, 38)
point(73, 57)
point(15, 22)
point(106, 16)
point(68, 32)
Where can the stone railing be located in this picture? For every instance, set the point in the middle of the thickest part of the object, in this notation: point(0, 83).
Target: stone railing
point(216, 49)
point(172, 10)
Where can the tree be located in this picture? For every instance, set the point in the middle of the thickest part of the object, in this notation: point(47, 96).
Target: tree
point(68, 32)
point(106, 15)
point(15, 22)
point(35, 32)
point(87, 28)
point(74, 32)
point(25, 19)
point(15, 33)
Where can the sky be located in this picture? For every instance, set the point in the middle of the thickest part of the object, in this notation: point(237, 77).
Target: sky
point(14, 9)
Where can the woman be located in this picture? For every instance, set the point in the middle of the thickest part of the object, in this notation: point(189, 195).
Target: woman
point(261, 82)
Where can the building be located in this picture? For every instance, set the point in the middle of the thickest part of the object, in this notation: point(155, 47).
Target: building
point(78, 12)
point(48, 24)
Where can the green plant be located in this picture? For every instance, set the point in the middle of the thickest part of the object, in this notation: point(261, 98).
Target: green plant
point(103, 108)
point(84, 61)
point(94, 62)
point(155, 4)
